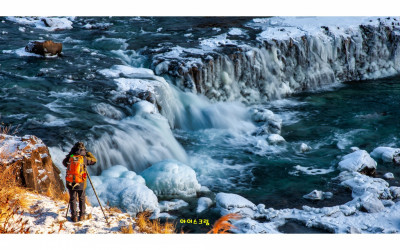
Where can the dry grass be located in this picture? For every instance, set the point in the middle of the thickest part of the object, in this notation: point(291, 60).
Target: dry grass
point(12, 198)
point(127, 229)
point(222, 225)
point(148, 226)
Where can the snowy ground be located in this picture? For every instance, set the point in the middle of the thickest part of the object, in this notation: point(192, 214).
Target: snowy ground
point(45, 215)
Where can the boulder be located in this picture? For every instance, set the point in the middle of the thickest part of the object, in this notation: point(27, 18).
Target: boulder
point(388, 176)
point(371, 204)
point(304, 148)
point(35, 168)
point(358, 161)
point(275, 139)
point(318, 195)
point(232, 203)
point(46, 48)
point(387, 154)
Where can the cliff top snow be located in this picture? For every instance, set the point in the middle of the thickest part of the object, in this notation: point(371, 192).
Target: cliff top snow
point(283, 28)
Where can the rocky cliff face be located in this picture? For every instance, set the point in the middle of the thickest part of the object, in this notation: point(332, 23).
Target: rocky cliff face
point(35, 168)
point(289, 59)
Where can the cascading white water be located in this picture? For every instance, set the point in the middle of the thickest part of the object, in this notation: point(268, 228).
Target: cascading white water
point(146, 138)
point(138, 142)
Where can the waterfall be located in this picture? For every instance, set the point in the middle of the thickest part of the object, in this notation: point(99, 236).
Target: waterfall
point(277, 67)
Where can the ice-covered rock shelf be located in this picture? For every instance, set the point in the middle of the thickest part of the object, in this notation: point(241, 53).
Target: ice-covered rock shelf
point(291, 54)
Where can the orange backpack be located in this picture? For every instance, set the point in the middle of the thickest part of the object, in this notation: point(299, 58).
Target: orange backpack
point(76, 170)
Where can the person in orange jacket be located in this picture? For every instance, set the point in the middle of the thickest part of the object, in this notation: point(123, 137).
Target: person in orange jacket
point(76, 162)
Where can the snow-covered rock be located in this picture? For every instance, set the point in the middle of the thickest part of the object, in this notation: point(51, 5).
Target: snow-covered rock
point(371, 204)
point(202, 204)
point(318, 195)
point(361, 184)
point(233, 203)
point(272, 122)
point(171, 178)
point(174, 204)
point(358, 161)
point(31, 156)
point(275, 139)
point(388, 176)
point(395, 192)
point(386, 154)
point(304, 148)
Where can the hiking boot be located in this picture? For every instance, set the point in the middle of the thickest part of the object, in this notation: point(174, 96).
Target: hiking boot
point(82, 217)
point(74, 219)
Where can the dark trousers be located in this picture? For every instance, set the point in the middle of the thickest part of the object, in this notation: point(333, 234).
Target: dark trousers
point(73, 193)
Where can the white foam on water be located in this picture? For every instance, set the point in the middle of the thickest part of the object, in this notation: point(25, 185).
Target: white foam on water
point(345, 140)
point(21, 52)
point(310, 170)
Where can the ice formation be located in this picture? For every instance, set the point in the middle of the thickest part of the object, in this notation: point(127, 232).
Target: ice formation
point(372, 209)
point(174, 204)
point(171, 178)
point(386, 154)
point(357, 161)
point(203, 204)
point(291, 54)
point(119, 187)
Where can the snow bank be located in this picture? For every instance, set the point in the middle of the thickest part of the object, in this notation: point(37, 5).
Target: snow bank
point(283, 28)
point(357, 161)
point(386, 154)
point(124, 189)
point(171, 178)
point(46, 216)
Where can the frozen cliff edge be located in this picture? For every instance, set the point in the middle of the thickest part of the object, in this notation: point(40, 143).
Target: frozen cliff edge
point(289, 55)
